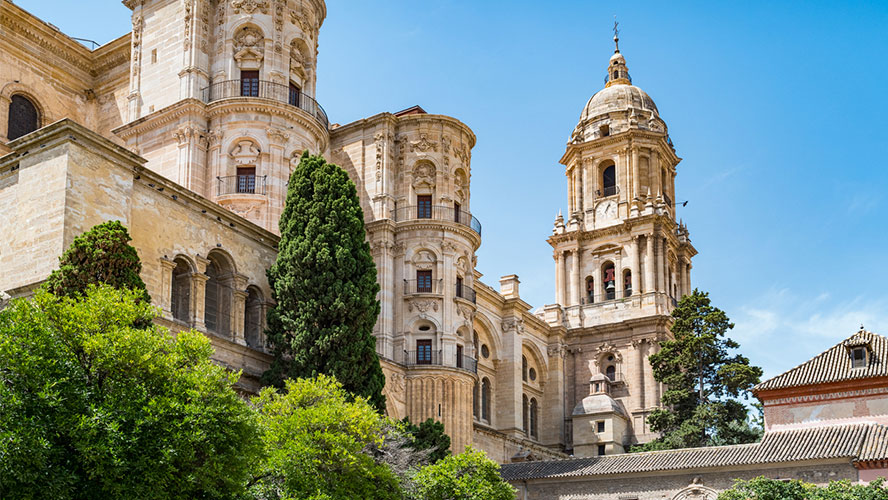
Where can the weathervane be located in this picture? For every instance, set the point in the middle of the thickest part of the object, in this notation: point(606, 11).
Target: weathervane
point(616, 35)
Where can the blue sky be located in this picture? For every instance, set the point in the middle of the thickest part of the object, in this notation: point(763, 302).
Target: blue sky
point(777, 109)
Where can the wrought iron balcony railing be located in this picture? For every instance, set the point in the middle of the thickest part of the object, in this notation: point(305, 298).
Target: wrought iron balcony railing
point(443, 213)
point(268, 90)
point(240, 184)
point(464, 291)
point(412, 287)
point(425, 357)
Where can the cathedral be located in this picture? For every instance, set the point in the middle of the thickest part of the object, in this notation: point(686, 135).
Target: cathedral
point(186, 130)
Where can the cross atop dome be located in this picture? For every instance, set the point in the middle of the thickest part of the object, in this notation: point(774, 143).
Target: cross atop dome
point(617, 73)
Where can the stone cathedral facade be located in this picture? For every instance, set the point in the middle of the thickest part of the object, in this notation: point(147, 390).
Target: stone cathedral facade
point(187, 129)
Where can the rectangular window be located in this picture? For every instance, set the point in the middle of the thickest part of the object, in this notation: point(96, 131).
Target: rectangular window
point(601, 450)
point(456, 212)
point(423, 281)
point(459, 356)
point(295, 93)
point(424, 206)
point(459, 287)
point(858, 357)
point(246, 180)
point(250, 83)
point(600, 426)
point(423, 352)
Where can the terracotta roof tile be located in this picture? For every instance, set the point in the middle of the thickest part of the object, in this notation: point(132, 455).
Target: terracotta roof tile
point(834, 364)
point(862, 441)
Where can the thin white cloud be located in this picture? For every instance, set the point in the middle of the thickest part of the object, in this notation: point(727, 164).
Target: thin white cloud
point(781, 329)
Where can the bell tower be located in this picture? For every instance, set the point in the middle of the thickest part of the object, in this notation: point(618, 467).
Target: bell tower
point(622, 260)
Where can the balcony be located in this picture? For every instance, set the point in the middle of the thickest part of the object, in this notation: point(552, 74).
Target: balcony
point(266, 90)
point(465, 292)
point(432, 287)
point(441, 213)
point(435, 358)
point(240, 184)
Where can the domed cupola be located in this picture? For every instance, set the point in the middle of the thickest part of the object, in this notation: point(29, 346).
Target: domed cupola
point(618, 107)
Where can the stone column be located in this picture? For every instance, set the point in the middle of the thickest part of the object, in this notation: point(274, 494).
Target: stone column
point(658, 181)
point(635, 174)
point(166, 287)
point(649, 285)
point(663, 263)
point(638, 380)
point(597, 294)
point(559, 277)
point(688, 288)
point(239, 292)
point(652, 396)
point(198, 297)
point(570, 192)
point(134, 99)
point(618, 278)
point(636, 266)
point(575, 276)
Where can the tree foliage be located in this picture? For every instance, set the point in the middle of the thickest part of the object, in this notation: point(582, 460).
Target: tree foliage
point(320, 445)
point(428, 435)
point(467, 476)
point(762, 488)
point(94, 407)
point(101, 255)
point(705, 381)
point(324, 285)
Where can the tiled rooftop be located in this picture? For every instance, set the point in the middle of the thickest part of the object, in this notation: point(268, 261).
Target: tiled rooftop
point(856, 442)
point(834, 364)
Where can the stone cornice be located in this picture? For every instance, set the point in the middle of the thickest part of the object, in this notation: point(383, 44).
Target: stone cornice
point(159, 118)
point(66, 130)
point(820, 392)
point(625, 228)
point(405, 120)
point(223, 107)
point(413, 224)
point(481, 428)
point(649, 138)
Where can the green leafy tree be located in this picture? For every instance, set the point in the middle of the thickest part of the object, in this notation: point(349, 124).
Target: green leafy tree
point(467, 476)
point(324, 285)
point(428, 435)
point(101, 255)
point(94, 407)
point(705, 381)
point(321, 444)
point(762, 488)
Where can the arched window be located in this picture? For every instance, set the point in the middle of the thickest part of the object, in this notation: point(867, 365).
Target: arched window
point(590, 290)
point(615, 74)
point(609, 281)
point(253, 318)
point(533, 417)
point(23, 117)
point(476, 403)
point(485, 399)
point(211, 299)
point(217, 299)
point(627, 283)
point(611, 372)
point(525, 410)
point(180, 291)
point(524, 368)
point(609, 181)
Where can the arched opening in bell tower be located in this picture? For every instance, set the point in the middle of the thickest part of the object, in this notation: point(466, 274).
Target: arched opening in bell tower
point(609, 281)
point(609, 180)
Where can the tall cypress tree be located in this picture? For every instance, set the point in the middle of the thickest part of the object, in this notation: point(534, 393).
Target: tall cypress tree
point(101, 255)
point(324, 284)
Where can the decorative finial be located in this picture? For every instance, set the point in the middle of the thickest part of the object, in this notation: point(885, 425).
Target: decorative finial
point(616, 35)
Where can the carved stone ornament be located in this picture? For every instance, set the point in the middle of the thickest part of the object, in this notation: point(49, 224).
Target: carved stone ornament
point(247, 37)
point(423, 144)
point(516, 324)
point(249, 6)
point(422, 306)
point(424, 175)
point(245, 210)
point(424, 260)
point(277, 136)
point(246, 152)
point(555, 350)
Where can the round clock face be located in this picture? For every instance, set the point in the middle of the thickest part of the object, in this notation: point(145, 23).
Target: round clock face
point(607, 210)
